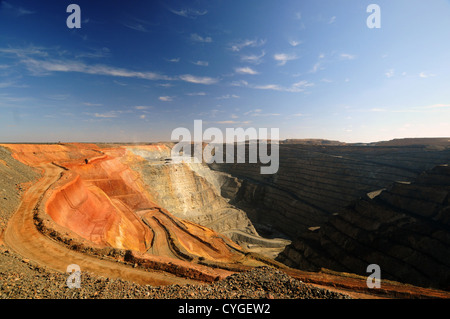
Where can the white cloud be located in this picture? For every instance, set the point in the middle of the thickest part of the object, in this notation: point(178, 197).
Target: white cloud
point(294, 88)
point(174, 60)
point(189, 13)
point(42, 67)
point(246, 70)
point(238, 46)
point(239, 83)
point(136, 26)
point(316, 67)
point(107, 115)
point(197, 38)
point(199, 80)
point(196, 94)
point(332, 20)
point(142, 107)
point(92, 104)
point(142, 117)
point(295, 43)
point(166, 98)
point(18, 11)
point(425, 75)
point(258, 112)
point(347, 56)
point(201, 63)
point(252, 58)
point(390, 73)
point(228, 96)
point(282, 58)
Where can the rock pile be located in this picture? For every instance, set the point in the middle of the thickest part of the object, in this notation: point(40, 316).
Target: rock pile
point(21, 278)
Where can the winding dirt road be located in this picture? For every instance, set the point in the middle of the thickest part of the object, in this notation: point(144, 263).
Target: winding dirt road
point(22, 236)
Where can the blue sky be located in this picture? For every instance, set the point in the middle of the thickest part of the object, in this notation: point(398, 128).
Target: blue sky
point(136, 71)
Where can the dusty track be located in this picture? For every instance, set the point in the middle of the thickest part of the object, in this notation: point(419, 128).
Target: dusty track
point(22, 236)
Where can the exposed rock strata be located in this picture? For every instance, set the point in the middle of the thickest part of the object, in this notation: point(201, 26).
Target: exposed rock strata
point(193, 192)
point(405, 229)
point(315, 181)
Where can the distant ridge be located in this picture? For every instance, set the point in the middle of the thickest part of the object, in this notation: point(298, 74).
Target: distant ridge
point(422, 141)
point(312, 142)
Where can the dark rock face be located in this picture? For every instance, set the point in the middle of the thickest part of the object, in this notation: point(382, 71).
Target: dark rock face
point(315, 181)
point(405, 230)
point(313, 199)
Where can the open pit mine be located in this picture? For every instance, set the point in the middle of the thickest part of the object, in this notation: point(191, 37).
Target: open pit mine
point(126, 211)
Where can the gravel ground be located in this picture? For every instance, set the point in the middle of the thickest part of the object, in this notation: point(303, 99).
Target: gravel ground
point(13, 178)
point(22, 279)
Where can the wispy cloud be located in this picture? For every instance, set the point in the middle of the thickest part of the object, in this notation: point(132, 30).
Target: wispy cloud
point(228, 96)
point(246, 70)
point(198, 79)
point(201, 63)
point(390, 73)
point(332, 20)
point(166, 98)
point(36, 61)
point(94, 53)
point(196, 94)
point(233, 122)
point(92, 104)
point(198, 38)
point(253, 58)
point(282, 58)
point(346, 56)
point(238, 46)
point(42, 67)
point(189, 13)
point(142, 107)
point(105, 115)
point(136, 26)
point(295, 43)
point(17, 11)
point(174, 60)
point(300, 86)
point(425, 75)
point(316, 67)
point(259, 112)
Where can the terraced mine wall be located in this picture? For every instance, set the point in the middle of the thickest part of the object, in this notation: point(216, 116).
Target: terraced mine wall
point(315, 181)
point(404, 229)
point(193, 192)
